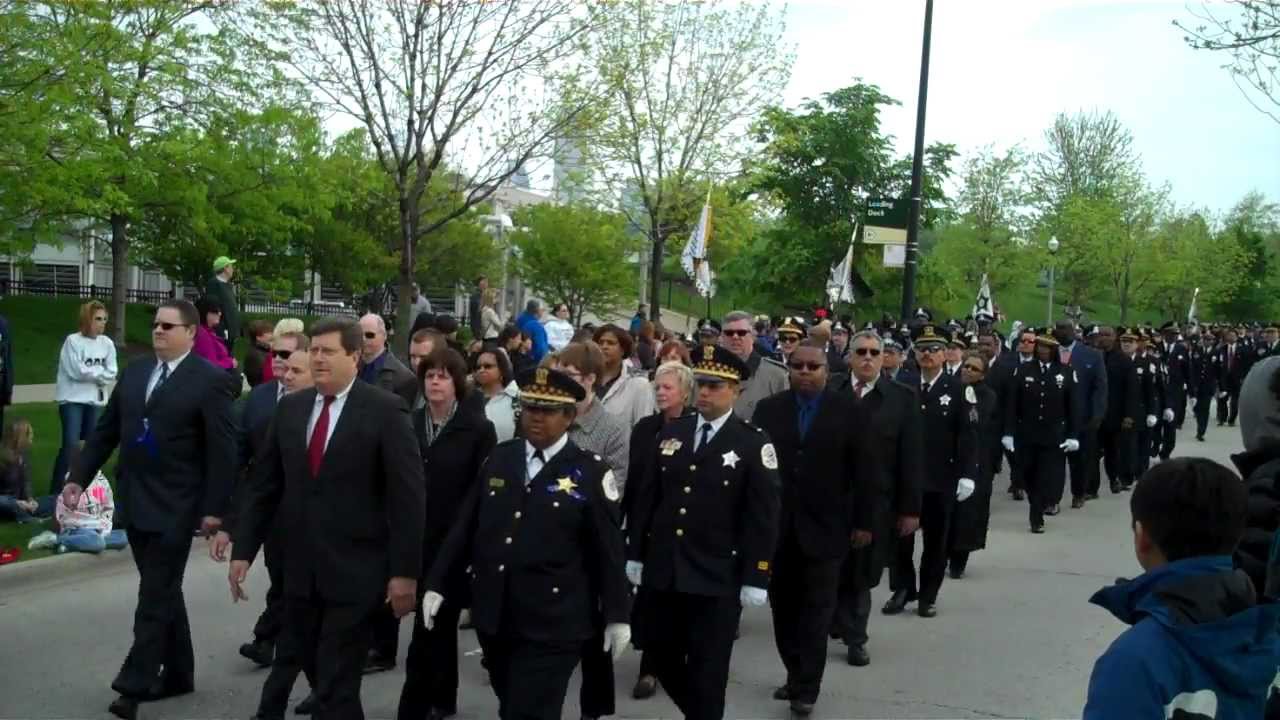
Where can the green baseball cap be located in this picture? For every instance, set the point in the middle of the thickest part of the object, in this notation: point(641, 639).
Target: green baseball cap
point(222, 262)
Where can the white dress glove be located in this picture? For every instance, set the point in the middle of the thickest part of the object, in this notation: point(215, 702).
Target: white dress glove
point(431, 603)
point(1151, 421)
point(616, 638)
point(752, 596)
point(1007, 442)
point(1070, 445)
point(1168, 415)
point(964, 489)
point(1222, 394)
point(634, 571)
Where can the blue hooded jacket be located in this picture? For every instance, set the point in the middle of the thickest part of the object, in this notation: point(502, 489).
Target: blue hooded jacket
point(1200, 647)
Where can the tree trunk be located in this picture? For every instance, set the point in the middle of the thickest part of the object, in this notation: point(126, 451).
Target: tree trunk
point(408, 246)
point(119, 276)
point(655, 275)
point(1123, 292)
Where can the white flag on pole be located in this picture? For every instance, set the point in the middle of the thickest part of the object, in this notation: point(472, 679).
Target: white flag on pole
point(982, 305)
point(694, 258)
point(840, 284)
point(1191, 313)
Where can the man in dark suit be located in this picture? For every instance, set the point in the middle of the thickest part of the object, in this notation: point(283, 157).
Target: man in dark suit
point(340, 468)
point(1203, 381)
point(1091, 400)
point(951, 449)
point(1118, 434)
point(1233, 365)
point(703, 537)
point(170, 417)
point(819, 439)
point(893, 417)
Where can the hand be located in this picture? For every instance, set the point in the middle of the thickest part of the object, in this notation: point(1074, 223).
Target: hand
point(634, 571)
point(71, 495)
point(964, 489)
point(28, 506)
point(402, 594)
point(1126, 424)
point(861, 538)
point(218, 545)
point(908, 524)
point(1070, 445)
point(431, 603)
point(1168, 415)
point(210, 525)
point(616, 638)
point(752, 596)
point(1222, 395)
point(1151, 421)
point(1007, 442)
point(236, 575)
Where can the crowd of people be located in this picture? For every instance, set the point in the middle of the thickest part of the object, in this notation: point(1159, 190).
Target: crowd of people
point(568, 492)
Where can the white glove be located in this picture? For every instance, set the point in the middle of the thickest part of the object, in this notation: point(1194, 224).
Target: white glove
point(1168, 415)
point(752, 596)
point(616, 638)
point(1222, 394)
point(431, 603)
point(634, 571)
point(1070, 445)
point(1151, 421)
point(964, 489)
point(1007, 442)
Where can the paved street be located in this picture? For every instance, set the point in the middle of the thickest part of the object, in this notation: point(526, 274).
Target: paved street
point(1015, 638)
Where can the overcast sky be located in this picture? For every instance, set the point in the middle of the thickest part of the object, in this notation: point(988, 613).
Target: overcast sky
point(1001, 69)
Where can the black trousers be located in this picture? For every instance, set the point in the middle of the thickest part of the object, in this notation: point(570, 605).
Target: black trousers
point(1229, 406)
point(803, 598)
point(1015, 477)
point(1044, 469)
point(1084, 465)
point(271, 621)
point(333, 641)
point(161, 631)
point(935, 518)
point(692, 653)
point(386, 633)
point(1202, 413)
point(1142, 453)
point(596, 694)
point(285, 666)
point(431, 665)
point(1117, 454)
point(853, 595)
point(529, 678)
point(1166, 438)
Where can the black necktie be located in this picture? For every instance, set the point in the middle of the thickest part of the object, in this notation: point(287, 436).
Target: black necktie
point(164, 375)
point(706, 435)
point(528, 476)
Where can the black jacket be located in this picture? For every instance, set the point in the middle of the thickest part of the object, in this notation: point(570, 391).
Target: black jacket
point(545, 560)
point(972, 518)
point(398, 380)
point(1231, 370)
point(6, 363)
point(822, 473)
point(1261, 472)
point(1150, 397)
point(1042, 407)
point(641, 449)
point(356, 524)
point(1177, 373)
point(951, 446)
point(706, 522)
point(1124, 392)
point(177, 451)
point(255, 420)
point(1203, 380)
point(256, 359)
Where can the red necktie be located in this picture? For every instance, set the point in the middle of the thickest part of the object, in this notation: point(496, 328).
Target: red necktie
point(858, 388)
point(315, 448)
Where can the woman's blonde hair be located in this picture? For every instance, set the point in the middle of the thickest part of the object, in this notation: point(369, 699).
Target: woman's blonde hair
point(17, 439)
point(87, 311)
point(683, 373)
point(288, 325)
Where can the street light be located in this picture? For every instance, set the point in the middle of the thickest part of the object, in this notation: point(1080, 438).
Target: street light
point(1053, 251)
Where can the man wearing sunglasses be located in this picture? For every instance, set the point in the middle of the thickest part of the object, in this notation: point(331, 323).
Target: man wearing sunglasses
point(765, 376)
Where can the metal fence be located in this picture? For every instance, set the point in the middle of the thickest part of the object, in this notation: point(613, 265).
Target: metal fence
point(82, 292)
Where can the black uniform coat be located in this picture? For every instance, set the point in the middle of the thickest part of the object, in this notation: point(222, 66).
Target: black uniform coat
point(255, 420)
point(820, 472)
point(1148, 370)
point(1203, 380)
point(706, 523)
point(1231, 374)
point(1043, 407)
point(184, 467)
point(1090, 382)
point(1124, 392)
point(356, 524)
point(1177, 367)
point(640, 451)
point(545, 558)
point(951, 447)
point(971, 518)
point(450, 467)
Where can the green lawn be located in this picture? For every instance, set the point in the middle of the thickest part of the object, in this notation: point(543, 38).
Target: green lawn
point(44, 420)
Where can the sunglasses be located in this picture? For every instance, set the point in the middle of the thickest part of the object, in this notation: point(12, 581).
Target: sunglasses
point(167, 326)
point(873, 352)
point(282, 354)
point(709, 383)
point(930, 349)
point(788, 339)
point(811, 367)
point(370, 335)
point(973, 368)
point(737, 333)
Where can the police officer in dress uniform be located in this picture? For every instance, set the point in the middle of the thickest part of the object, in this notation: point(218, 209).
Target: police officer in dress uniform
point(702, 535)
point(1042, 423)
point(1203, 380)
point(1148, 403)
point(1177, 377)
point(1269, 343)
point(540, 536)
point(1148, 362)
point(951, 448)
point(790, 332)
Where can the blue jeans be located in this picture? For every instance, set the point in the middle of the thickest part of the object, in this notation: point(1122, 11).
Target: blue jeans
point(92, 541)
point(77, 424)
point(9, 509)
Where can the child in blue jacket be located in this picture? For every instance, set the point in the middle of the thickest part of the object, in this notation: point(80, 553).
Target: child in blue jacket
point(1200, 646)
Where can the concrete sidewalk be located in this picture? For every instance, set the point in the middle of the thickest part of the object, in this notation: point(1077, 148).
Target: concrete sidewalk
point(32, 393)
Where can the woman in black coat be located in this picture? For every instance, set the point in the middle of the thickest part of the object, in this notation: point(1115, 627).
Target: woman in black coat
point(971, 518)
point(455, 439)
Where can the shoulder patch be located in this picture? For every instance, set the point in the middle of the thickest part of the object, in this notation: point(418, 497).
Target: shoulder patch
point(610, 486)
point(768, 456)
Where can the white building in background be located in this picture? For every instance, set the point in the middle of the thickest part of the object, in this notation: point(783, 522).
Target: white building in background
point(83, 260)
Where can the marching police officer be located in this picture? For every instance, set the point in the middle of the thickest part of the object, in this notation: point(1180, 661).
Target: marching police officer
point(1269, 343)
point(790, 332)
point(1148, 401)
point(702, 535)
point(545, 554)
point(1177, 377)
point(1203, 380)
point(1042, 423)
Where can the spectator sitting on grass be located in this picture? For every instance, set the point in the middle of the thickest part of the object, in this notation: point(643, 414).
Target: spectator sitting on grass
point(87, 527)
point(16, 502)
point(1200, 645)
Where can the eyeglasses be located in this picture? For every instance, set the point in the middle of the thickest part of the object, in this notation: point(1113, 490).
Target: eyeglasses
point(370, 335)
point(788, 339)
point(873, 352)
point(737, 333)
point(930, 349)
point(167, 326)
point(282, 354)
point(811, 367)
point(437, 375)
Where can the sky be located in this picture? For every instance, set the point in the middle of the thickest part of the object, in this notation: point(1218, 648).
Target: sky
point(1000, 70)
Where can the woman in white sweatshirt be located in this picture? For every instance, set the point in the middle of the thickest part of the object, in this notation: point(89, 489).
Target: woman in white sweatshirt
point(86, 370)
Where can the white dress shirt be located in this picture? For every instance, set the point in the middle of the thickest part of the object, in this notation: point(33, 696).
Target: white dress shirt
point(533, 465)
point(866, 387)
point(715, 428)
point(335, 412)
point(155, 372)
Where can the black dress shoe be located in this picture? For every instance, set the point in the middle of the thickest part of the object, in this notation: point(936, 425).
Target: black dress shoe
point(1019, 495)
point(1115, 487)
point(1200, 438)
point(377, 662)
point(897, 603)
point(124, 708)
point(1077, 503)
point(260, 652)
point(802, 708)
point(956, 573)
point(858, 656)
point(646, 687)
point(927, 610)
point(439, 714)
point(1037, 529)
point(782, 693)
point(1091, 496)
point(308, 706)
point(1052, 509)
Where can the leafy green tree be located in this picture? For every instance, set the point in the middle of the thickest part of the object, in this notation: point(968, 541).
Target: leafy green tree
point(1188, 254)
point(572, 254)
point(1254, 224)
